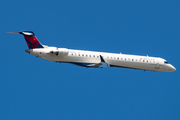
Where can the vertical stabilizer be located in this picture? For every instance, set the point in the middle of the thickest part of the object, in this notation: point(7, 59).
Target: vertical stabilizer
point(31, 40)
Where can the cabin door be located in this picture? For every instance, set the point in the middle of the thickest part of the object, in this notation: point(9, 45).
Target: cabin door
point(157, 65)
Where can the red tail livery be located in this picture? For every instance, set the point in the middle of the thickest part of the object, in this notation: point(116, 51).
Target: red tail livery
point(31, 40)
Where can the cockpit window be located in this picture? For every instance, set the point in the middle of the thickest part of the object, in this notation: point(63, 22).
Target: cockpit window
point(166, 62)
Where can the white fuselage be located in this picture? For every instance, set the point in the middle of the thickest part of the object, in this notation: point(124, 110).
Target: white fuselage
point(85, 58)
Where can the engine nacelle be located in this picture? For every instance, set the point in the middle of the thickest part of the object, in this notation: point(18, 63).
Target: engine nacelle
point(60, 52)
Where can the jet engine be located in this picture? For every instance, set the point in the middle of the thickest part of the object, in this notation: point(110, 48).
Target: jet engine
point(60, 52)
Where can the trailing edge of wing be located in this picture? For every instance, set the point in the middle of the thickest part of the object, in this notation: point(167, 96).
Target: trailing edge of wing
point(94, 65)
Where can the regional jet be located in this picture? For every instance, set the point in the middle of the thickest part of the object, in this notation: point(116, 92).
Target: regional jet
point(93, 59)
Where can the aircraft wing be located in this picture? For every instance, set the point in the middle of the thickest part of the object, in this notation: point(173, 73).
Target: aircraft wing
point(102, 64)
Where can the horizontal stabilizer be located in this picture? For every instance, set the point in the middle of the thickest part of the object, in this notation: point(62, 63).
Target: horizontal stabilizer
point(13, 32)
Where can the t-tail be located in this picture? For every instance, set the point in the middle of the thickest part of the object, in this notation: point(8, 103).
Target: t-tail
point(31, 39)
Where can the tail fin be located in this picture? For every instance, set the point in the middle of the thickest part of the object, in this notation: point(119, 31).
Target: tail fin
point(31, 40)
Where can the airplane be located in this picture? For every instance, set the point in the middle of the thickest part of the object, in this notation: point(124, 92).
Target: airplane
point(93, 59)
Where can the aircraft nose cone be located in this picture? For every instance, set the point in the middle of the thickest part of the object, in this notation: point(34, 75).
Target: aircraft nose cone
point(172, 68)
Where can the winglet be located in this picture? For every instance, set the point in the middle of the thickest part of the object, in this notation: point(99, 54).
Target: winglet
point(103, 62)
point(102, 59)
